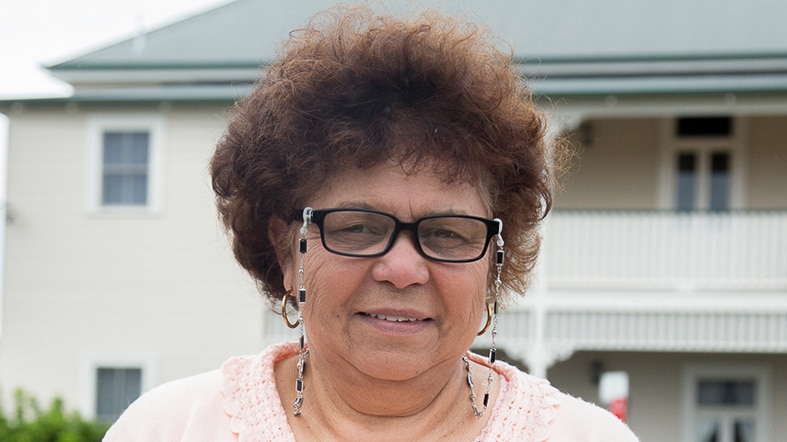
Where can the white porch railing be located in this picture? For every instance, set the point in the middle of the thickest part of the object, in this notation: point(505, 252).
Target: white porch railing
point(654, 249)
point(648, 330)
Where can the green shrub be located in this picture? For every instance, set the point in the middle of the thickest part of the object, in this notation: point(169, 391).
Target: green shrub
point(31, 423)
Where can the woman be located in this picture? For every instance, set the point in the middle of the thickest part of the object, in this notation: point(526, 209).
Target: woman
point(368, 184)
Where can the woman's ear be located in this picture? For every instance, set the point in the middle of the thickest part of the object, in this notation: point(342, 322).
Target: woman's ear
point(280, 235)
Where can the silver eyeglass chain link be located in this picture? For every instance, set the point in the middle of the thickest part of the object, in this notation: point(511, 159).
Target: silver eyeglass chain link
point(302, 350)
point(499, 260)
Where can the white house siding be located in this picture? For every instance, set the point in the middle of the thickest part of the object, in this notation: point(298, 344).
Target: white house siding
point(84, 288)
point(767, 162)
point(616, 168)
point(657, 386)
point(619, 165)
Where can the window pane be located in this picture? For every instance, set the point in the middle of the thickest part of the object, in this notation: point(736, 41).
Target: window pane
point(133, 385)
point(720, 181)
point(112, 190)
point(105, 394)
point(116, 388)
point(708, 430)
point(686, 181)
point(125, 174)
point(744, 430)
point(704, 126)
point(726, 393)
point(139, 189)
point(138, 149)
point(113, 149)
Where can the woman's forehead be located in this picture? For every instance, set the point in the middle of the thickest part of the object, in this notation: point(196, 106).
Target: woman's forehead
point(391, 187)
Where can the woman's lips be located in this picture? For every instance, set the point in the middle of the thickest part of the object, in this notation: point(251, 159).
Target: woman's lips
point(392, 318)
point(396, 322)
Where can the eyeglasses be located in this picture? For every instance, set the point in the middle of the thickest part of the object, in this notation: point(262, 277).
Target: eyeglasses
point(367, 233)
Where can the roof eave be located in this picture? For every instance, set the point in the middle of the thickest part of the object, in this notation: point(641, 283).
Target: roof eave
point(157, 74)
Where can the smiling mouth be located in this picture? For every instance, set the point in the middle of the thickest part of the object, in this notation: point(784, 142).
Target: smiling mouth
point(392, 318)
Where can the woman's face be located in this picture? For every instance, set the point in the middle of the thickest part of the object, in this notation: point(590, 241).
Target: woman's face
point(398, 315)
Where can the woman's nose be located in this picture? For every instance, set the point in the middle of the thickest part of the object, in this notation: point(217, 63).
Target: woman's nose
point(403, 265)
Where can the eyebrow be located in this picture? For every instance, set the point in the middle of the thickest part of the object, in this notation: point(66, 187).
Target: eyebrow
point(367, 206)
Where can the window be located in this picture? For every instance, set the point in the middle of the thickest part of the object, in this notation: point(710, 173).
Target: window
point(124, 154)
point(727, 405)
point(116, 388)
point(125, 168)
point(109, 382)
point(725, 410)
point(702, 168)
point(703, 180)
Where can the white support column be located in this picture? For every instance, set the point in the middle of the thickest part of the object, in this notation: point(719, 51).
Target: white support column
point(539, 358)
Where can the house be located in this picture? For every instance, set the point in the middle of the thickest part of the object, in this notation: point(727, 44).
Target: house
point(665, 257)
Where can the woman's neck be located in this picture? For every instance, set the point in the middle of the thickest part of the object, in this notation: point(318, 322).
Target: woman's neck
point(348, 405)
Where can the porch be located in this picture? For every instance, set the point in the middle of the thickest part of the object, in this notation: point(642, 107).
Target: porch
point(653, 281)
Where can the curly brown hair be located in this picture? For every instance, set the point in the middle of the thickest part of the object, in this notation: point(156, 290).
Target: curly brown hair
point(355, 90)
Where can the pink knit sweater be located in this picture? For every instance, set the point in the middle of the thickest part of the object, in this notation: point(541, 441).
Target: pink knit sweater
point(240, 402)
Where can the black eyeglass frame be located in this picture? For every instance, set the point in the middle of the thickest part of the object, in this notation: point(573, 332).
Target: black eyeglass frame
point(317, 216)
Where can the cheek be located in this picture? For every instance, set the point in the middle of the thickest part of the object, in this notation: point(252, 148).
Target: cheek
point(477, 277)
point(468, 283)
point(329, 281)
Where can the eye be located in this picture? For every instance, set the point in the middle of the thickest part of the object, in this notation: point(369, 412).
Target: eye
point(444, 236)
point(354, 230)
point(359, 229)
point(447, 234)
point(360, 224)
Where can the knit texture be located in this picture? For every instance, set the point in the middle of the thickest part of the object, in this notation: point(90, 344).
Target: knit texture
point(250, 396)
point(240, 402)
point(523, 411)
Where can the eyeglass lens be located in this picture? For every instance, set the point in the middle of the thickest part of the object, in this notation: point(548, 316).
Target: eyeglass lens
point(361, 233)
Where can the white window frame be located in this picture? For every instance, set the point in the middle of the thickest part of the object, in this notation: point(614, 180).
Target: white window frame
point(672, 144)
point(727, 370)
point(91, 362)
point(98, 125)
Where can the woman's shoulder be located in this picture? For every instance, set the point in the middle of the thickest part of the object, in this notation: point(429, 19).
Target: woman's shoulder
point(171, 409)
point(533, 409)
point(209, 406)
point(248, 382)
point(579, 420)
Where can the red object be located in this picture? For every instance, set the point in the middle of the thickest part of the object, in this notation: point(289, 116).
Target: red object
point(619, 407)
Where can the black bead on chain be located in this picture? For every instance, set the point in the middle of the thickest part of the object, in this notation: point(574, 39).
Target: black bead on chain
point(302, 291)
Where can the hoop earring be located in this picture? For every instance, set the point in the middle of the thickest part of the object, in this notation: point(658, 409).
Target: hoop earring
point(492, 318)
point(284, 312)
point(483, 330)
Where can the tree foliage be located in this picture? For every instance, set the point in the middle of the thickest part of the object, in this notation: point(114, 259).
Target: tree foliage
point(29, 422)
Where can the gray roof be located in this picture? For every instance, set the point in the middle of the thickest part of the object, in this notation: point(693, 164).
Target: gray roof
point(566, 47)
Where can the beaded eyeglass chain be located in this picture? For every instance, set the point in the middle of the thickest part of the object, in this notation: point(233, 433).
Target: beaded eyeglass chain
point(302, 350)
point(499, 259)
